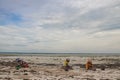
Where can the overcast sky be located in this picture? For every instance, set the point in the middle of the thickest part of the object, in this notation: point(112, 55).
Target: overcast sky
point(81, 26)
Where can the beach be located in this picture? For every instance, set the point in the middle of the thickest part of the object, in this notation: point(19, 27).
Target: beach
point(49, 68)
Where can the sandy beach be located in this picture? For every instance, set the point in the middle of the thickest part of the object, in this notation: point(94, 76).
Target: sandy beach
point(49, 68)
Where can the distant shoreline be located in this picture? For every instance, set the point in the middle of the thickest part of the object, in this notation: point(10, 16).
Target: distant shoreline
point(58, 54)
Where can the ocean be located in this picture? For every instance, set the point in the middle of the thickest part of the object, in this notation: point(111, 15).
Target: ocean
point(57, 54)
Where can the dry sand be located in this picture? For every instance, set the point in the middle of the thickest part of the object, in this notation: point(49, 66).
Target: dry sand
point(49, 68)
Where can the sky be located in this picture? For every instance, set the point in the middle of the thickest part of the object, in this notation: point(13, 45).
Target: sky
point(62, 26)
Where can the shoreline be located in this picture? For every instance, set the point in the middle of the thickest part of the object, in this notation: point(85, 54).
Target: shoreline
point(62, 54)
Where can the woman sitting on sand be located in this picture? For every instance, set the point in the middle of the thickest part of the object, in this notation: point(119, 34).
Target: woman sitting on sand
point(66, 65)
point(89, 65)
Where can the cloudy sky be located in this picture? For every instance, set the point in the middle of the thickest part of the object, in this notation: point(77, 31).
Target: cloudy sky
point(80, 26)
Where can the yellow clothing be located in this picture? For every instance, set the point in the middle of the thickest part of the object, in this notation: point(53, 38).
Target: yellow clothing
point(66, 63)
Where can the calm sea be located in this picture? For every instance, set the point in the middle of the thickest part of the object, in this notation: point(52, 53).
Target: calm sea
point(57, 54)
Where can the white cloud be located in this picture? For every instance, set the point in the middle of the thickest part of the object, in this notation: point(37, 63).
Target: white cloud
point(62, 26)
point(72, 40)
